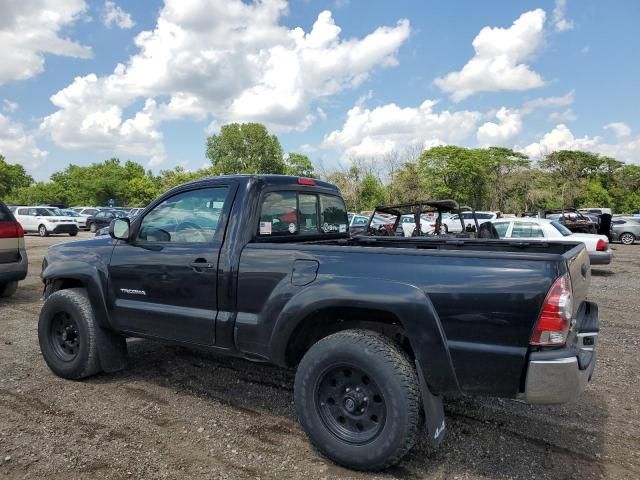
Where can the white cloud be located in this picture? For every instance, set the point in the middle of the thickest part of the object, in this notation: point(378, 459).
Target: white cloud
point(9, 106)
point(18, 146)
point(548, 102)
point(497, 63)
point(374, 132)
point(586, 49)
point(502, 133)
point(227, 61)
point(620, 129)
point(112, 15)
point(29, 29)
point(561, 138)
point(565, 116)
point(560, 22)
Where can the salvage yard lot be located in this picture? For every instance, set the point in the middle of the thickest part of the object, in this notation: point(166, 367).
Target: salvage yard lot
point(177, 413)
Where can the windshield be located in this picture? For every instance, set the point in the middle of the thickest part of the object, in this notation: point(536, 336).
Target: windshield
point(564, 231)
point(44, 212)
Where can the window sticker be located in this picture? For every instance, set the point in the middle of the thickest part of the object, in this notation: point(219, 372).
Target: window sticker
point(343, 228)
point(265, 228)
point(292, 227)
point(328, 228)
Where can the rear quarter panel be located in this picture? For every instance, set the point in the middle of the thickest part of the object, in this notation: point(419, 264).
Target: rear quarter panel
point(484, 305)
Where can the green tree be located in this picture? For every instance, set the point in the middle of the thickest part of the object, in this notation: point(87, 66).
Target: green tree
point(299, 165)
point(141, 191)
point(12, 178)
point(499, 165)
point(245, 148)
point(407, 185)
point(372, 192)
point(454, 172)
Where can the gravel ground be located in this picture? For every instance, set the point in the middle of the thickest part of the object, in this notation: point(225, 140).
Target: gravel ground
point(182, 414)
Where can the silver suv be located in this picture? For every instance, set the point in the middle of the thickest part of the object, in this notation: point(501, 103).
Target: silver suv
point(13, 256)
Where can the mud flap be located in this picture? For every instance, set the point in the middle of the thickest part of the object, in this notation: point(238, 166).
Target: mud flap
point(112, 350)
point(433, 411)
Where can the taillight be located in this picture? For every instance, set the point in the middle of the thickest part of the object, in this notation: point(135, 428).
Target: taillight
point(553, 324)
point(602, 245)
point(11, 230)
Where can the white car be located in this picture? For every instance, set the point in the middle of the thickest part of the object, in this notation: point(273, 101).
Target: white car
point(408, 224)
point(544, 229)
point(453, 224)
point(45, 220)
point(85, 213)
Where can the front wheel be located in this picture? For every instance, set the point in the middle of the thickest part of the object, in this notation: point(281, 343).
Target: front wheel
point(627, 238)
point(73, 234)
point(67, 334)
point(92, 227)
point(42, 230)
point(357, 396)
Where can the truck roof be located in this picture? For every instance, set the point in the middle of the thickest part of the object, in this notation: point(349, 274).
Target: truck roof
point(272, 179)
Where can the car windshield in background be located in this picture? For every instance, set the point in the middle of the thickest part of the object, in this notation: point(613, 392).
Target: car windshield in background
point(562, 229)
point(45, 212)
point(479, 216)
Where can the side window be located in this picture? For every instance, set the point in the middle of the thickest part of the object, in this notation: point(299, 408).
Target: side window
point(361, 221)
point(188, 217)
point(33, 212)
point(501, 228)
point(526, 230)
point(333, 214)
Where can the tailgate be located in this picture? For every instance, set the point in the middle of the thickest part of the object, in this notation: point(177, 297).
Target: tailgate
point(580, 272)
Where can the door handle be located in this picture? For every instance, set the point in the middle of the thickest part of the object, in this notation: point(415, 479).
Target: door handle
point(201, 264)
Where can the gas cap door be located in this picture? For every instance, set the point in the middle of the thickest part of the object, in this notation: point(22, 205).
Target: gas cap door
point(304, 272)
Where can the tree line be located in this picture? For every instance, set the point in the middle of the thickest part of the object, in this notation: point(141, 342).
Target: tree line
point(492, 178)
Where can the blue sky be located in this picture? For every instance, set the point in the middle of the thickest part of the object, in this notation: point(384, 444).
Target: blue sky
point(336, 79)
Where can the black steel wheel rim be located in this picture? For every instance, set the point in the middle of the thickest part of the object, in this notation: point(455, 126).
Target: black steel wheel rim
point(350, 404)
point(64, 336)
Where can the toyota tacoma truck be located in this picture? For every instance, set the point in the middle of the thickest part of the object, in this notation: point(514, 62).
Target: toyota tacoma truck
point(378, 329)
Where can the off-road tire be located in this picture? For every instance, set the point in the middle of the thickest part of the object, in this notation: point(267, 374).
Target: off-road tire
point(385, 365)
point(8, 289)
point(75, 304)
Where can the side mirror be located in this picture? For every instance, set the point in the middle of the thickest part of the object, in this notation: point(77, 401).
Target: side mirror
point(119, 229)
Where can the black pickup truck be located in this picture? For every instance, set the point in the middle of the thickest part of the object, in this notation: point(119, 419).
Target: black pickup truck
point(379, 329)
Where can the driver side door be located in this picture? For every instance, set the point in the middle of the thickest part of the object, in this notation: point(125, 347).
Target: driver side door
point(163, 282)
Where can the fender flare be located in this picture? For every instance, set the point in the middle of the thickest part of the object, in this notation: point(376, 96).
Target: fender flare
point(410, 305)
point(91, 278)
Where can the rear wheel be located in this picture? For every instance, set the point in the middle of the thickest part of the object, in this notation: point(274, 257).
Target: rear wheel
point(8, 289)
point(627, 238)
point(42, 230)
point(358, 398)
point(67, 334)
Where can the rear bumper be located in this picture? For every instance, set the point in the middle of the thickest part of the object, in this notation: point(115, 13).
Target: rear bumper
point(12, 272)
point(558, 380)
point(601, 258)
point(559, 376)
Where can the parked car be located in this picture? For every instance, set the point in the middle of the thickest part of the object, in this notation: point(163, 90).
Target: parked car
point(545, 229)
point(45, 221)
point(626, 230)
point(86, 213)
point(102, 219)
point(79, 219)
point(379, 330)
point(134, 211)
point(452, 224)
point(13, 255)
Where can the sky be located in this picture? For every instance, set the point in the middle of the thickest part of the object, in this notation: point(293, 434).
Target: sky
point(83, 81)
